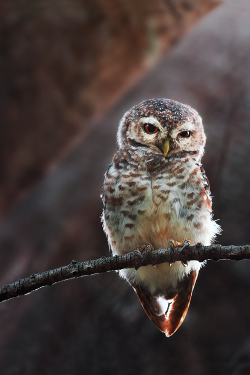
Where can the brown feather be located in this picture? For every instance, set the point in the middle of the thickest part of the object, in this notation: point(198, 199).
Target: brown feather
point(168, 321)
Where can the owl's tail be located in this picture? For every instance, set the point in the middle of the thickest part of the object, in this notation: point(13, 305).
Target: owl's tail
point(168, 314)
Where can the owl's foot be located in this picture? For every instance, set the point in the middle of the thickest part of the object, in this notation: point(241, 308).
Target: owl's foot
point(143, 251)
point(184, 245)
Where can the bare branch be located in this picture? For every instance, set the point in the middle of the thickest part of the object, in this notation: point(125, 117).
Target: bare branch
point(130, 260)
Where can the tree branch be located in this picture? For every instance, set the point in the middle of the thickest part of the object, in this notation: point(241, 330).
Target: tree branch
point(131, 260)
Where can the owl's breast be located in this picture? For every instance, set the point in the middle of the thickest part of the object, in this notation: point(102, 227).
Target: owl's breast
point(154, 205)
point(182, 208)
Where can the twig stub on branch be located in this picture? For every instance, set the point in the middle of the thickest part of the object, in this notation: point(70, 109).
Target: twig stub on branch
point(118, 262)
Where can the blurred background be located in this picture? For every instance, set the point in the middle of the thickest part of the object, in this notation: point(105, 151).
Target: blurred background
point(68, 72)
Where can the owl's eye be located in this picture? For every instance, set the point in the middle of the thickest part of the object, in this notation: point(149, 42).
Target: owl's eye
point(185, 134)
point(150, 129)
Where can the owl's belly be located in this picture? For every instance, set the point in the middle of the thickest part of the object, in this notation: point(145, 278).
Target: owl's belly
point(158, 223)
point(156, 220)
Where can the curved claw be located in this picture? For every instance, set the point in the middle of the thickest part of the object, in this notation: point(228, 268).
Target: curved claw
point(173, 244)
point(184, 245)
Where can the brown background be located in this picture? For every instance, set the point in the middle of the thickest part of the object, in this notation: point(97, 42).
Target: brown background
point(95, 325)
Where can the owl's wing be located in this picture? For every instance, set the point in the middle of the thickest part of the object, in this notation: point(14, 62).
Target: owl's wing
point(168, 314)
point(206, 186)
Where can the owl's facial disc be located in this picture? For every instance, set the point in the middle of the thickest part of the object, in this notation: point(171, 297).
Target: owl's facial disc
point(148, 132)
point(164, 127)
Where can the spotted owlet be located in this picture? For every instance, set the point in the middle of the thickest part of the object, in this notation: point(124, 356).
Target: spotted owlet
point(155, 191)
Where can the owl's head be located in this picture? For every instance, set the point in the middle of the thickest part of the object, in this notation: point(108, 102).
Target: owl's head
point(162, 126)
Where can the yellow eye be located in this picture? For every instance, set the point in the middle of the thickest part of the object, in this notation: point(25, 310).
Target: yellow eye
point(150, 129)
point(185, 134)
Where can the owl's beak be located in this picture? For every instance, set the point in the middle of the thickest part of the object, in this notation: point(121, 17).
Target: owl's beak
point(165, 147)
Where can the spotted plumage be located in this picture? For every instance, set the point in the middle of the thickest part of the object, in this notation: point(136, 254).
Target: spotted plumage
point(155, 191)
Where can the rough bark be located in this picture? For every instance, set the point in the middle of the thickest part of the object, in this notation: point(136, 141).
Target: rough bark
point(131, 260)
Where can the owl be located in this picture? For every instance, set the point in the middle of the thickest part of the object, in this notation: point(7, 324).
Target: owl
point(156, 191)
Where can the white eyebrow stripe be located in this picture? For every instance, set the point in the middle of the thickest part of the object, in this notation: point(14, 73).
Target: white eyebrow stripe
point(186, 126)
point(150, 120)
